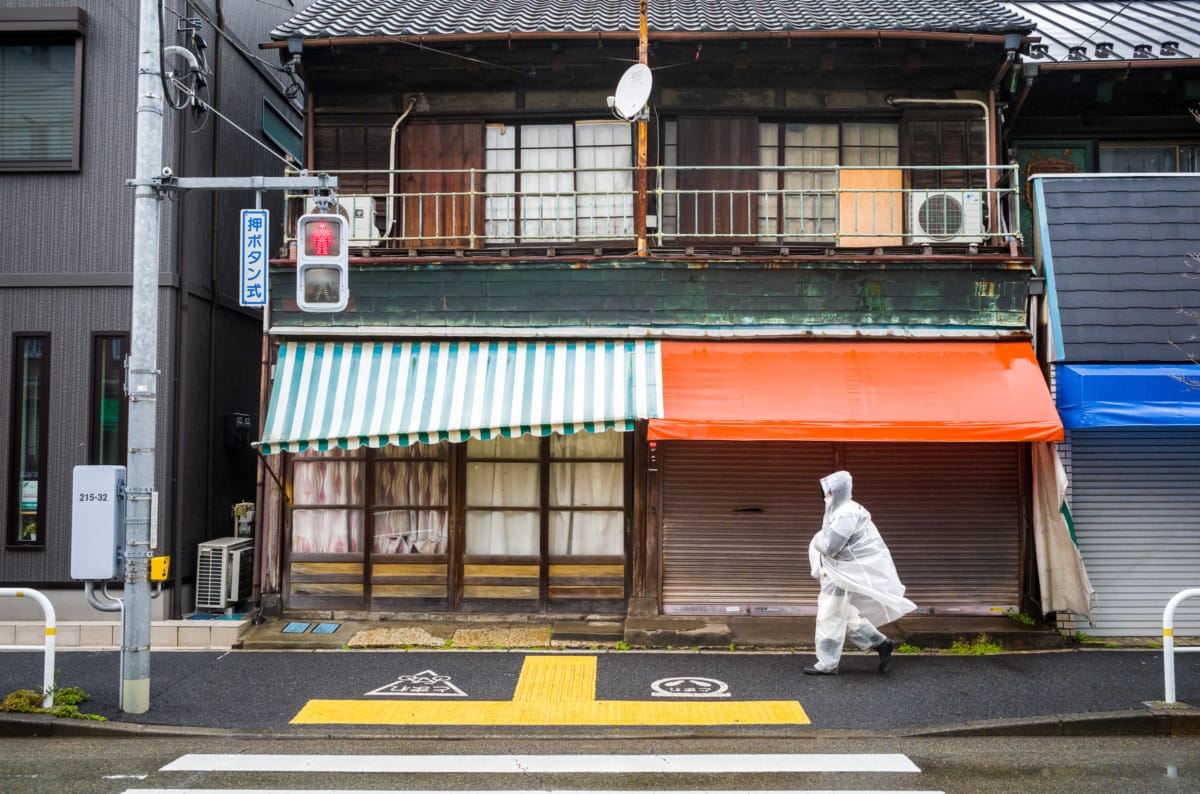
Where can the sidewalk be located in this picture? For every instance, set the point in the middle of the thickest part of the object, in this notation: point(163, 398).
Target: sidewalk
point(659, 632)
point(397, 680)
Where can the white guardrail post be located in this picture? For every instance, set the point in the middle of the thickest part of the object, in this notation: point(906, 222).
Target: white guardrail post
point(1169, 649)
point(51, 630)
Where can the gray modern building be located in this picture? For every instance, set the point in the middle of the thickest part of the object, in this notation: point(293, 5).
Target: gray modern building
point(68, 74)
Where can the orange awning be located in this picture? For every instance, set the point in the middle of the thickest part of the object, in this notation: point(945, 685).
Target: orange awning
point(854, 391)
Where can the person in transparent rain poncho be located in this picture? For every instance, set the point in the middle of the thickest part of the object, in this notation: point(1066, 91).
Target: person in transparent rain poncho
point(859, 585)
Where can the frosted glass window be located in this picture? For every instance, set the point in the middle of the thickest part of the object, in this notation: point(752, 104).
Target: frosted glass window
point(547, 160)
point(604, 204)
point(500, 159)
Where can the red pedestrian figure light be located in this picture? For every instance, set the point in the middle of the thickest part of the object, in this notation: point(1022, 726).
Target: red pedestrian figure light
point(321, 239)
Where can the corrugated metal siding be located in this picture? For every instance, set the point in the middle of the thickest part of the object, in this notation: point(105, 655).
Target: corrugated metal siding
point(720, 557)
point(950, 514)
point(1136, 495)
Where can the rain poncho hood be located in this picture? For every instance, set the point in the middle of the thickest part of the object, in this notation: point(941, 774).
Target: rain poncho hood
point(850, 554)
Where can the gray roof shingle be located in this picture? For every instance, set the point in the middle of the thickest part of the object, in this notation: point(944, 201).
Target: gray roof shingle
point(1077, 31)
point(1120, 247)
point(373, 18)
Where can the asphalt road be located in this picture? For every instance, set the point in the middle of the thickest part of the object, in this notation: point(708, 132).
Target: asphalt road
point(1064, 765)
point(265, 691)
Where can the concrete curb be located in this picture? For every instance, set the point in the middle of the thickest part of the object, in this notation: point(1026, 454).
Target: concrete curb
point(1143, 723)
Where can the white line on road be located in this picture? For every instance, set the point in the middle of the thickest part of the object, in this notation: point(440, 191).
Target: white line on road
point(506, 791)
point(546, 764)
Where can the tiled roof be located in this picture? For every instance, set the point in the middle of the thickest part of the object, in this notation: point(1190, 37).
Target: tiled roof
point(1113, 30)
point(370, 18)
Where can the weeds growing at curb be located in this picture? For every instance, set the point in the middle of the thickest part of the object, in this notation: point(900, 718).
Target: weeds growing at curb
point(65, 703)
point(982, 646)
point(1021, 617)
point(906, 648)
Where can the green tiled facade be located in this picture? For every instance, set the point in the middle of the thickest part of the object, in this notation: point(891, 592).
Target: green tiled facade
point(989, 293)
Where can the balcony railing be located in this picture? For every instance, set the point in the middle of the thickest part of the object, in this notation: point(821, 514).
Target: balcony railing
point(768, 206)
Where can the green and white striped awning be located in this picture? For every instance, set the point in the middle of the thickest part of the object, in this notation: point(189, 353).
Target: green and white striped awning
point(352, 394)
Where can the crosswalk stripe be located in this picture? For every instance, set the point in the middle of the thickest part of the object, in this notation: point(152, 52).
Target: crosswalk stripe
point(546, 764)
point(506, 791)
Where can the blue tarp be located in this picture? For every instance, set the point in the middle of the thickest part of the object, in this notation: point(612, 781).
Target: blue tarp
point(1128, 395)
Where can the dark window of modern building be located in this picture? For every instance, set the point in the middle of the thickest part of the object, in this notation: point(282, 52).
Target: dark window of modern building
point(1148, 158)
point(29, 427)
point(41, 88)
point(109, 418)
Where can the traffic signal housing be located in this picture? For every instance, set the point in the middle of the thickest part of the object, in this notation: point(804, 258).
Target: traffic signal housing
point(322, 263)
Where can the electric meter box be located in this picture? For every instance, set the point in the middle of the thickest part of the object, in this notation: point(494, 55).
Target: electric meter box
point(97, 521)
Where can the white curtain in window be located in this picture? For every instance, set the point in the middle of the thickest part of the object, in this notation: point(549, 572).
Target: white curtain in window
point(502, 484)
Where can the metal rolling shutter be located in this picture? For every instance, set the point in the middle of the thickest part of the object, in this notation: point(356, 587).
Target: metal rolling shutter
point(737, 518)
point(1135, 498)
point(949, 512)
point(951, 515)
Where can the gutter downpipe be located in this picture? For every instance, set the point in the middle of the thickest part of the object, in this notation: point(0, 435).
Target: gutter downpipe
point(387, 222)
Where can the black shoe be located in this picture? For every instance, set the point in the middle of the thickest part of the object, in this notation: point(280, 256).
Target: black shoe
point(885, 649)
point(817, 671)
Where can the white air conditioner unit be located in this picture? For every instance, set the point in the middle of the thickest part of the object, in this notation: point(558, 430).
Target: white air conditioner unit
point(223, 572)
point(359, 212)
point(945, 216)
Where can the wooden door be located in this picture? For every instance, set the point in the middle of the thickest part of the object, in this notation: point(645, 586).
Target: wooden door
point(442, 202)
point(716, 201)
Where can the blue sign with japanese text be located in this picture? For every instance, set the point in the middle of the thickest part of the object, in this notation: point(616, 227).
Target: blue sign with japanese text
point(255, 237)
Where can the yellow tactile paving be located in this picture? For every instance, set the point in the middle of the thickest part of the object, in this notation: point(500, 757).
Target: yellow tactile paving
point(560, 679)
point(552, 690)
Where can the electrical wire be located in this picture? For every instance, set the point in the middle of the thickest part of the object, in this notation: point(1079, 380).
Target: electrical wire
point(292, 163)
point(1117, 13)
point(290, 91)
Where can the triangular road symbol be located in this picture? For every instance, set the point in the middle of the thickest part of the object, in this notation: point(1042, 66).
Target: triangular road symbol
point(423, 684)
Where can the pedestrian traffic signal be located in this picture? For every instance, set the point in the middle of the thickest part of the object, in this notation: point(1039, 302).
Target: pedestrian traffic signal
point(322, 263)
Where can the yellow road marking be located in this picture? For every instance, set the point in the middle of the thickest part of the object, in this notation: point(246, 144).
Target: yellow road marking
point(553, 690)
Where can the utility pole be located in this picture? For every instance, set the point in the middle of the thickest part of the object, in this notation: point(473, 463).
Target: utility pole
point(639, 211)
point(142, 379)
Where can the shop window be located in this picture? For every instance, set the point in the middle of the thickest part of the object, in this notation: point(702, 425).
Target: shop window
point(584, 500)
point(41, 71)
point(411, 500)
point(503, 496)
point(29, 428)
point(587, 494)
point(327, 502)
point(109, 414)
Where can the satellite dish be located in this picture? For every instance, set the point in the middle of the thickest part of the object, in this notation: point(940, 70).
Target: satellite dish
point(633, 91)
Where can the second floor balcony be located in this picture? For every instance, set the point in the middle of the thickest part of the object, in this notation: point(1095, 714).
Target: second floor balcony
point(733, 210)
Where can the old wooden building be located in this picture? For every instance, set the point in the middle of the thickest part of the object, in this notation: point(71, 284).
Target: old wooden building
point(599, 350)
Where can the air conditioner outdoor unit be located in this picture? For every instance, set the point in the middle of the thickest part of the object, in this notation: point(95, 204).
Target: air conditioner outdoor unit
point(223, 572)
point(945, 216)
point(359, 212)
